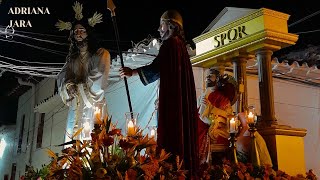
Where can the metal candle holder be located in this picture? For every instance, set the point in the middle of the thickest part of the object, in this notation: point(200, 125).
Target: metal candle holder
point(255, 160)
point(233, 130)
point(131, 123)
point(232, 139)
point(251, 120)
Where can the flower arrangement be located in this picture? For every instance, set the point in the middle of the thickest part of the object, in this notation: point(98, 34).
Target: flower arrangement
point(151, 169)
point(225, 171)
point(110, 155)
point(242, 171)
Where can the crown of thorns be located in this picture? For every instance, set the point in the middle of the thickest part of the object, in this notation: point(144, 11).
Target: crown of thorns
point(77, 7)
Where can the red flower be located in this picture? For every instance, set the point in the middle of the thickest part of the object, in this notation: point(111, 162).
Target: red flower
point(93, 137)
point(66, 150)
point(124, 144)
point(115, 132)
point(107, 140)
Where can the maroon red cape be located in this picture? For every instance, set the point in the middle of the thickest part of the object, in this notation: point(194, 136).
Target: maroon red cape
point(177, 123)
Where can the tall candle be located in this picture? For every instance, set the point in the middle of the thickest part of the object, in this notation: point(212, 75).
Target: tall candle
point(86, 129)
point(131, 130)
point(152, 132)
point(232, 126)
point(97, 112)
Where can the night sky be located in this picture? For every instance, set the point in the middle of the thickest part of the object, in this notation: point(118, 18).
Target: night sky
point(135, 19)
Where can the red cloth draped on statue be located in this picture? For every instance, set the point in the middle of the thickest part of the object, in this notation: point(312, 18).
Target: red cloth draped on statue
point(220, 99)
point(203, 139)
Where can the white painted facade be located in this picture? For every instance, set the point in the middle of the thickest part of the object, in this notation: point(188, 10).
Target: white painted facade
point(29, 153)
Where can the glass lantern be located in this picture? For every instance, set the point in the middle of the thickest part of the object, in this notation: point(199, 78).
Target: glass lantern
point(251, 115)
point(87, 126)
point(233, 124)
point(131, 123)
point(99, 110)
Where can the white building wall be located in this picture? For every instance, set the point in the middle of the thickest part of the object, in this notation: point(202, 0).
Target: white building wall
point(45, 89)
point(7, 133)
point(54, 125)
point(53, 134)
point(26, 104)
point(199, 76)
point(296, 105)
point(24, 108)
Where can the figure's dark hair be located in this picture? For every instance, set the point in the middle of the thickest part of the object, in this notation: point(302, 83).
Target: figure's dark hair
point(178, 30)
point(93, 44)
point(215, 72)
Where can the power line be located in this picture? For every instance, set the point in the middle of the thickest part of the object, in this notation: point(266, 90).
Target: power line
point(61, 53)
point(34, 33)
point(31, 62)
point(305, 18)
point(306, 32)
point(34, 68)
point(42, 40)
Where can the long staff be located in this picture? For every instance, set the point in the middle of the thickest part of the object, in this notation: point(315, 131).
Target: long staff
point(112, 7)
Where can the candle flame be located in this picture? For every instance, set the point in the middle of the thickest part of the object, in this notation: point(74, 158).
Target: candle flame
point(130, 124)
point(86, 126)
point(250, 115)
point(153, 132)
point(232, 127)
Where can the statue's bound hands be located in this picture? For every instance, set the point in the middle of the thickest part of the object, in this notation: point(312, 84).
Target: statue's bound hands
point(71, 90)
point(204, 100)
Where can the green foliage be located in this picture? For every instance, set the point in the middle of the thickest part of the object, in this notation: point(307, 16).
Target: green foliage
point(35, 174)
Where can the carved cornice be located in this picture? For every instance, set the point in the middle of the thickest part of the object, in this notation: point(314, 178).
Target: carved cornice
point(274, 13)
point(283, 130)
point(281, 37)
point(251, 16)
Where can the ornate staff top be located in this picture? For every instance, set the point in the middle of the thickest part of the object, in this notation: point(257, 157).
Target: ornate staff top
point(111, 7)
